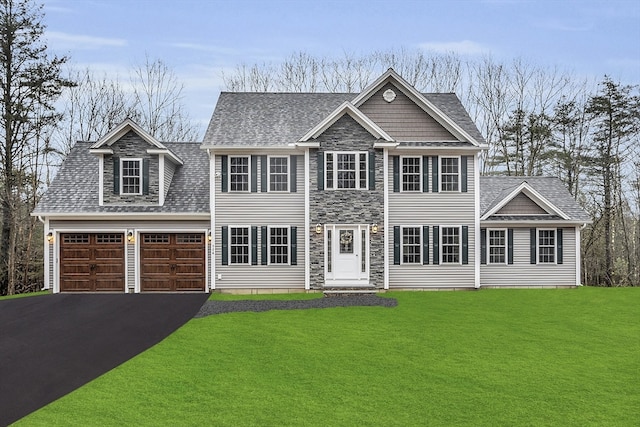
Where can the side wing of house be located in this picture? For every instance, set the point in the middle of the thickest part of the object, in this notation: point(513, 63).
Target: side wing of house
point(530, 233)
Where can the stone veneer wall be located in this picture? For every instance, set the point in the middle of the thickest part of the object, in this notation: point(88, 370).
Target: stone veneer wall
point(346, 206)
point(131, 146)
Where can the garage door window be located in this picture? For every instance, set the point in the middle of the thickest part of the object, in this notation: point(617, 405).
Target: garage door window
point(156, 238)
point(189, 238)
point(76, 238)
point(108, 238)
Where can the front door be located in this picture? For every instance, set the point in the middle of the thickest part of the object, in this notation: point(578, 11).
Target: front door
point(347, 255)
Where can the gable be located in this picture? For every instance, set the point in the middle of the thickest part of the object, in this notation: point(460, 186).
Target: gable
point(522, 205)
point(402, 119)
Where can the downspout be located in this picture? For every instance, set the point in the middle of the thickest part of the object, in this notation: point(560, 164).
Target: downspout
point(212, 216)
point(45, 253)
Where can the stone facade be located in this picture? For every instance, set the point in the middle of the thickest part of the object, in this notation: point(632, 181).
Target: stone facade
point(346, 206)
point(131, 146)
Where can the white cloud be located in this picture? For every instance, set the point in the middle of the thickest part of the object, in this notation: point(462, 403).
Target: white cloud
point(464, 47)
point(60, 40)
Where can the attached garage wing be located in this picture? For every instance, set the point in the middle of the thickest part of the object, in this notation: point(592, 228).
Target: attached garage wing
point(172, 262)
point(92, 262)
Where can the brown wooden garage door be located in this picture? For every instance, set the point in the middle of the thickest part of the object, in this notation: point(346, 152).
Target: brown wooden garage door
point(92, 262)
point(172, 262)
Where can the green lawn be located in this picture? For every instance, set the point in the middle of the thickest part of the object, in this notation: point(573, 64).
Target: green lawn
point(493, 357)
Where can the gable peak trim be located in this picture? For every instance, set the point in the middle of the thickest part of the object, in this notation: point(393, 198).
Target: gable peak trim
point(122, 129)
point(536, 197)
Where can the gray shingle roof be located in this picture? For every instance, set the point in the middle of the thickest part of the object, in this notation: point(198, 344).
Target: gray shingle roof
point(75, 187)
point(493, 189)
point(277, 119)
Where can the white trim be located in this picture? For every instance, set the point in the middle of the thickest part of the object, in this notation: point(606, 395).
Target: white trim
point(166, 152)
point(346, 108)
point(80, 216)
point(47, 261)
point(441, 244)
point(119, 131)
point(420, 245)
point(248, 190)
point(101, 151)
point(250, 259)
point(161, 179)
point(307, 233)
point(101, 180)
point(140, 176)
point(506, 246)
point(440, 181)
point(420, 174)
point(268, 173)
point(555, 246)
point(578, 255)
point(530, 223)
point(212, 208)
point(268, 244)
point(385, 173)
point(357, 170)
point(363, 278)
point(476, 219)
point(385, 144)
point(536, 197)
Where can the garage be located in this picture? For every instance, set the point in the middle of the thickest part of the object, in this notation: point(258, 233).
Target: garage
point(172, 262)
point(92, 262)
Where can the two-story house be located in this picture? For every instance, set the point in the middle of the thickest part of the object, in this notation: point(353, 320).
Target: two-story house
point(307, 191)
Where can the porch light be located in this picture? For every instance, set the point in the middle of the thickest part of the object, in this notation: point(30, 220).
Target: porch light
point(318, 228)
point(130, 237)
point(374, 228)
point(209, 236)
point(50, 237)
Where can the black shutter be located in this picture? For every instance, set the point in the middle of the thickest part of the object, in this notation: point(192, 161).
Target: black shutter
point(254, 245)
point(263, 244)
point(293, 174)
point(465, 244)
point(320, 157)
point(463, 174)
point(145, 177)
point(116, 175)
point(425, 174)
point(510, 246)
point(396, 174)
point(559, 245)
point(425, 244)
point(224, 164)
point(225, 245)
point(396, 245)
point(264, 168)
point(483, 246)
point(372, 170)
point(532, 245)
point(294, 245)
point(436, 245)
point(254, 174)
point(434, 174)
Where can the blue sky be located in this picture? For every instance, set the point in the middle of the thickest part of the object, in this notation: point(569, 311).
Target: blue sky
point(199, 38)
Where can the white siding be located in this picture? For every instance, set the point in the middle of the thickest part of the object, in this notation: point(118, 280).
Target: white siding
point(523, 273)
point(169, 170)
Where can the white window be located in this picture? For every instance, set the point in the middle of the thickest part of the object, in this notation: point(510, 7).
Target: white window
point(239, 243)
point(344, 170)
point(131, 176)
point(450, 245)
point(239, 173)
point(278, 173)
point(279, 245)
point(411, 174)
point(546, 246)
point(449, 174)
point(411, 245)
point(497, 246)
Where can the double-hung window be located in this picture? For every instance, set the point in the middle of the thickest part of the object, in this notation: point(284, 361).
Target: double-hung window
point(278, 173)
point(239, 173)
point(450, 238)
point(411, 244)
point(546, 246)
point(131, 176)
point(279, 245)
point(239, 243)
point(345, 170)
point(411, 174)
point(449, 174)
point(497, 246)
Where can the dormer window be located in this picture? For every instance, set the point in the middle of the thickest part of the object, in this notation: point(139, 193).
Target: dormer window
point(131, 177)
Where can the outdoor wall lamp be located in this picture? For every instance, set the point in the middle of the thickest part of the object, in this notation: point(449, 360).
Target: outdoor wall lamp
point(50, 237)
point(130, 237)
point(209, 236)
point(374, 228)
point(318, 228)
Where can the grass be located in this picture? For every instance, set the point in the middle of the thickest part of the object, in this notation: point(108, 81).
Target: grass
point(28, 294)
point(487, 358)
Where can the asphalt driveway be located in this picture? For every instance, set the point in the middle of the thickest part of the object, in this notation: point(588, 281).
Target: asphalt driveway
point(52, 344)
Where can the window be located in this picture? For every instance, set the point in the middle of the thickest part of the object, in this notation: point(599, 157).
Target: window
point(411, 176)
point(239, 245)
point(239, 173)
point(278, 173)
point(131, 176)
point(450, 245)
point(497, 246)
point(449, 173)
point(411, 245)
point(546, 246)
point(346, 170)
point(279, 245)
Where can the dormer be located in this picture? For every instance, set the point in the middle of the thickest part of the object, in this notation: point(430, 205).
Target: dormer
point(134, 167)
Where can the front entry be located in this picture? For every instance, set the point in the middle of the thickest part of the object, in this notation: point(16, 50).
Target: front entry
point(347, 255)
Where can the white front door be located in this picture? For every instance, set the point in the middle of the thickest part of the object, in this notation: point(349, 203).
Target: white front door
point(346, 261)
